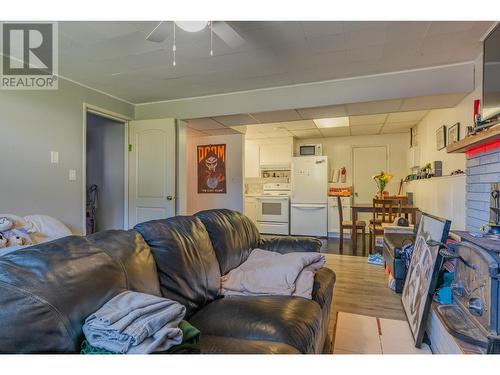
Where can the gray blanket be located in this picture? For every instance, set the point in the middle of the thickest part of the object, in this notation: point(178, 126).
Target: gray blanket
point(135, 323)
point(269, 273)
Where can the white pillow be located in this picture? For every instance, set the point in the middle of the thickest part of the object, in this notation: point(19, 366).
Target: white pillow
point(19, 222)
point(47, 226)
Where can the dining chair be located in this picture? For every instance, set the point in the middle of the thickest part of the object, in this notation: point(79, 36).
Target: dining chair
point(349, 225)
point(386, 210)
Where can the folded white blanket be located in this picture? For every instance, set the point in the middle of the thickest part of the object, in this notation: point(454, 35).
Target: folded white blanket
point(135, 323)
point(270, 273)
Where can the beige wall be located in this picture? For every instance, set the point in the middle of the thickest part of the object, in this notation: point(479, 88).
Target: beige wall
point(339, 152)
point(32, 124)
point(233, 199)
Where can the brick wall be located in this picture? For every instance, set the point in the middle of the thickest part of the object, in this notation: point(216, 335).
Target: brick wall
point(483, 169)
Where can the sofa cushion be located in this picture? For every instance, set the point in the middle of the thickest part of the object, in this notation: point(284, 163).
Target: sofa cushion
point(185, 259)
point(130, 250)
point(47, 291)
point(294, 321)
point(227, 345)
point(233, 236)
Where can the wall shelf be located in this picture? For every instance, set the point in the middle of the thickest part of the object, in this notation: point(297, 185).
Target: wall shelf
point(474, 141)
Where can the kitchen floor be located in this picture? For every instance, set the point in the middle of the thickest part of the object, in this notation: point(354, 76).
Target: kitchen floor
point(331, 246)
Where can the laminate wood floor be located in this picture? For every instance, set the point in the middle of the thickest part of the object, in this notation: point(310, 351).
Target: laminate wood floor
point(361, 288)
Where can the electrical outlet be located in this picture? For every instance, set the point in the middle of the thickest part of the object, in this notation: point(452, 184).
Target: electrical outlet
point(72, 175)
point(54, 157)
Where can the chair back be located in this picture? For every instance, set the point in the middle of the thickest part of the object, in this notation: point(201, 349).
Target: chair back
point(341, 214)
point(386, 209)
point(401, 200)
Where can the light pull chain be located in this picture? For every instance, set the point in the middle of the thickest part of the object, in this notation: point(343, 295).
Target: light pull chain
point(211, 38)
point(174, 48)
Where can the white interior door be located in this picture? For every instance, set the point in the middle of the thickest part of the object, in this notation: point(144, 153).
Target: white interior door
point(152, 170)
point(367, 162)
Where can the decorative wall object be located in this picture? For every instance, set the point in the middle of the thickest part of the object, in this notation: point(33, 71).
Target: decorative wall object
point(211, 168)
point(423, 272)
point(454, 133)
point(413, 137)
point(441, 138)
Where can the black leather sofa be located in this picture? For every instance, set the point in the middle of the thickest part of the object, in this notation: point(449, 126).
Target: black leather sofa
point(47, 291)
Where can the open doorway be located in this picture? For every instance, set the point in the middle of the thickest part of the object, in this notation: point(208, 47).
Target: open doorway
point(105, 175)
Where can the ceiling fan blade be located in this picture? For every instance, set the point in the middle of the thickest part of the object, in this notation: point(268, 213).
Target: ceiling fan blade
point(227, 34)
point(159, 33)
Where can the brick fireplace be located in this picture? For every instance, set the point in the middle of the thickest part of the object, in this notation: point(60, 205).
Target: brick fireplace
point(483, 169)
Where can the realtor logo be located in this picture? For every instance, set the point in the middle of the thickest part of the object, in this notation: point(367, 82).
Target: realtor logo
point(29, 56)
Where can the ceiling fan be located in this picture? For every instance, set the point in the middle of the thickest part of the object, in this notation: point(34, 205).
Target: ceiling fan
point(220, 28)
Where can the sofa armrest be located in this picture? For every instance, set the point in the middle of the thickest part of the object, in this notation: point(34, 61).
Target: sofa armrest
point(291, 244)
point(324, 279)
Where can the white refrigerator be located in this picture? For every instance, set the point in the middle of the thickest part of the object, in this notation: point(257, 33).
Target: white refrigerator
point(309, 198)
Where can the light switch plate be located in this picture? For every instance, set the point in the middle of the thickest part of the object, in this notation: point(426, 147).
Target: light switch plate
point(54, 157)
point(72, 175)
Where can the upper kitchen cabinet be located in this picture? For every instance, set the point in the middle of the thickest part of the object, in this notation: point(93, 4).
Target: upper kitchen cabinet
point(252, 159)
point(278, 154)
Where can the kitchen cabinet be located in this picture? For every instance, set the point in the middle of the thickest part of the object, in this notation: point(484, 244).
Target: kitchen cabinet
point(250, 208)
point(252, 159)
point(333, 215)
point(275, 154)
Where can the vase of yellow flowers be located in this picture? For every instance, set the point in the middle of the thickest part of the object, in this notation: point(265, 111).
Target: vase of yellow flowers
point(382, 180)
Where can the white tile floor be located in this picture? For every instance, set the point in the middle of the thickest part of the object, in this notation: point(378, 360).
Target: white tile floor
point(359, 334)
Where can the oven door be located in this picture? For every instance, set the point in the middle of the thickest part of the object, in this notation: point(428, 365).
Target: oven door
point(273, 209)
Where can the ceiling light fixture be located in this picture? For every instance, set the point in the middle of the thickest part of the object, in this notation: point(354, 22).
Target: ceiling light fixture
point(211, 38)
point(192, 26)
point(336, 122)
point(174, 47)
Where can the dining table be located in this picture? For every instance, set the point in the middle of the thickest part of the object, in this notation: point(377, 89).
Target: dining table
point(356, 208)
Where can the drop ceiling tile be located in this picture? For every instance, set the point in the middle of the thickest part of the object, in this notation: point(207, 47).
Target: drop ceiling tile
point(204, 123)
point(322, 112)
point(256, 136)
point(367, 119)
point(326, 43)
point(313, 133)
point(365, 37)
point(366, 129)
point(367, 54)
point(401, 125)
point(320, 28)
point(406, 32)
point(444, 27)
point(335, 132)
point(388, 130)
point(277, 134)
point(226, 131)
point(367, 108)
point(300, 125)
point(229, 120)
point(434, 101)
point(194, 133)
point(240, 128)
point(276, 116)
point(406, 116)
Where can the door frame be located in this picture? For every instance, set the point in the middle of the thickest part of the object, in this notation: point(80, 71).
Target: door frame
point(90, 108)
point(387, 159)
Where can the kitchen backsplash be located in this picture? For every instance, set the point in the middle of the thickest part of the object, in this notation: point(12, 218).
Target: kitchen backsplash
point(254, 185)
point(483, 169)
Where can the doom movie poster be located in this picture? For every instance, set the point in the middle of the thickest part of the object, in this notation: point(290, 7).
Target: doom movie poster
point(211, 169)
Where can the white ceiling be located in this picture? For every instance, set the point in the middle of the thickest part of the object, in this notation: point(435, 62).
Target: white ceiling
point(116, 58)
point(383, 123)
point(379, 117)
